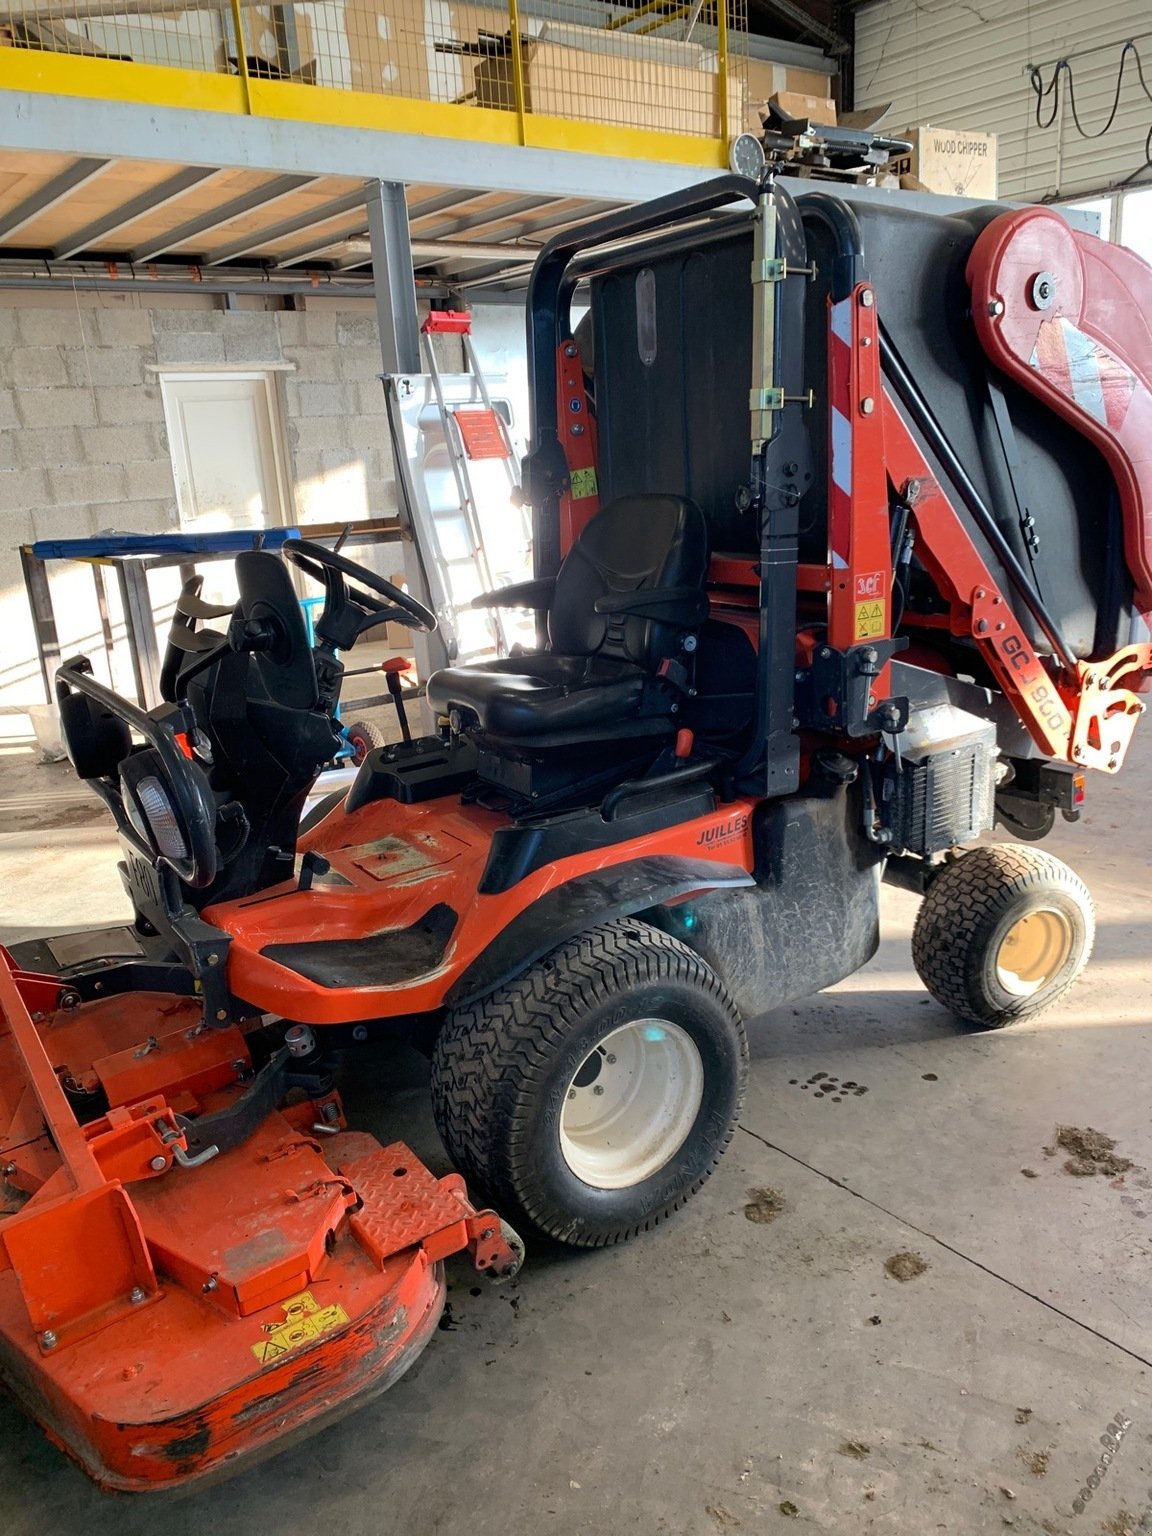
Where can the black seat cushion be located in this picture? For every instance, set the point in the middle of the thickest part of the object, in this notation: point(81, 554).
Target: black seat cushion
point(525, 695)
point(601, 673)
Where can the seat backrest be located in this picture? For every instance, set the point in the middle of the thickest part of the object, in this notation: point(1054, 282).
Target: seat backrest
point(636, 544)
point(262, 712)
point(679, 419)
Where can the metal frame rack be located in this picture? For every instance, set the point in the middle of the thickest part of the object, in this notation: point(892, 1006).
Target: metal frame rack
point(133, 557)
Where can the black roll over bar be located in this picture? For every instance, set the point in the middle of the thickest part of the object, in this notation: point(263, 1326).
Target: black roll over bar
point(191, 852)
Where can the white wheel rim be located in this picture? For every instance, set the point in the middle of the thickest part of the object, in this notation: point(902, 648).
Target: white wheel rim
point(1034, 951)
point(632, 1104)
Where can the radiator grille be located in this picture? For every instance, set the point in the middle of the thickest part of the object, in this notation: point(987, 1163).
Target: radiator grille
point(940, 800)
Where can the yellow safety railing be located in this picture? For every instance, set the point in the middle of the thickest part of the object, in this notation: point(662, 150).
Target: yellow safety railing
point(665, 78)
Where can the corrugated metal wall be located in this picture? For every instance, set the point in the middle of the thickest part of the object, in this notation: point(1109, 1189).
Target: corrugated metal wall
point(966, 66)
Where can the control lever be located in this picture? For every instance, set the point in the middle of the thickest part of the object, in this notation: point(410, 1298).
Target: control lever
point(394, 669)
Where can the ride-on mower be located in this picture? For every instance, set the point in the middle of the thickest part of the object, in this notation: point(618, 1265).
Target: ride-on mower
point(843, 555)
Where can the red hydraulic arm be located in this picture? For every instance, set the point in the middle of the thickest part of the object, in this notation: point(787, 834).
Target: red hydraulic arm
point(859, 552)
point(1083, 716)
point(1071, 320)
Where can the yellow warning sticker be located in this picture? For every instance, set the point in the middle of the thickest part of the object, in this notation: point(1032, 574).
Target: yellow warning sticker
point(304, 1320)
point(871, 620)
point(583, 484)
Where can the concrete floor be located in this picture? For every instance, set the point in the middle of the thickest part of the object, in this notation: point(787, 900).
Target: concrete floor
point(722, 1375)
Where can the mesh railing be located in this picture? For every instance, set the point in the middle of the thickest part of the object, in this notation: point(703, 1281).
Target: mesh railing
point(665, 65)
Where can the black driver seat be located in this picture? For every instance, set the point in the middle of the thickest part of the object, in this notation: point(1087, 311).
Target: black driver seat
point(259, 705)
point(622, 611)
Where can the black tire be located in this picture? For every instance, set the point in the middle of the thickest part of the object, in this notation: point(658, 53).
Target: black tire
point(503, 1068)
point(363, 736)
point(971, 907)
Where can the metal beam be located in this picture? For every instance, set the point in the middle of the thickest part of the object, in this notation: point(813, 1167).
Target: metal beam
point(528, 227)
point(53, 192)
point(471, 251)
point(492, 272)
point(392, 274)
point(799, 17)
point(347, 287)
point(350, 203)
point(448, 229)
point(524, 230)
point(271, 192)
point(424, 209)
point(120, 218)
point(454, 197)
point(74, 125)
point(319, 244)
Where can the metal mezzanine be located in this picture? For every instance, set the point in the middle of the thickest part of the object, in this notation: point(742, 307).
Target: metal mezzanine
point(151, 143)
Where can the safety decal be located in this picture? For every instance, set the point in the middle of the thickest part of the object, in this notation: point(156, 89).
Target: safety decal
point(583, 484)
point(304, 1320)
point(871, 620)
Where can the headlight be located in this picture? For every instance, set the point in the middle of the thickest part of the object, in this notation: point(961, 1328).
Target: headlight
point(150, 812)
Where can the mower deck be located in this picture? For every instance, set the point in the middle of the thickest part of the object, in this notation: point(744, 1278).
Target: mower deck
point(264, 1289)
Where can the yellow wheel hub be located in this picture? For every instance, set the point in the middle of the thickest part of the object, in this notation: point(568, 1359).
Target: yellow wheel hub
point(1034, 951)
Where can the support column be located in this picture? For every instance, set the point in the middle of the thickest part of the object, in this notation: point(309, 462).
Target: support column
point(399, 325)
point(392, 276)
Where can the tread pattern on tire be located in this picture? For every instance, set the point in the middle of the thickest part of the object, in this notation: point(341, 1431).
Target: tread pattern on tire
point(370, 734)
point(514, 1032)
point(964, 900)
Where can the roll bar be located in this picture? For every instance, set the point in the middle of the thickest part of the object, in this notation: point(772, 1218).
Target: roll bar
point(546, 287)
point(186, 780)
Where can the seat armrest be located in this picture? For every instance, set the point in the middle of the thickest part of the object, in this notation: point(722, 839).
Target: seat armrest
point(525, 594)
point(674, 605)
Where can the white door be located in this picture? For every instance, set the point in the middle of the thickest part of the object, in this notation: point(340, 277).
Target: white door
point(224, 435)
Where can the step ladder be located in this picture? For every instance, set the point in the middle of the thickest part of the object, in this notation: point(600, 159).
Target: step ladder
point(461, 482)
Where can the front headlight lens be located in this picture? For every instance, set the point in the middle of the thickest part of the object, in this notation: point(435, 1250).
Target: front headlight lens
point(163, 828)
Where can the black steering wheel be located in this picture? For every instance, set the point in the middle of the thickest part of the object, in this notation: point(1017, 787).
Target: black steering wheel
point(353, 595)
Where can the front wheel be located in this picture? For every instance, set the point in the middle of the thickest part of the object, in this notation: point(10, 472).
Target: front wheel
point(1002, 933)
point(595, 1093)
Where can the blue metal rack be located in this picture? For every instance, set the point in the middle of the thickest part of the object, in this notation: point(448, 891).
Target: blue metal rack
point(132, 556)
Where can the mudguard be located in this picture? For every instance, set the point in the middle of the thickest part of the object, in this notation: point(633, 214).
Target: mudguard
point(583, 903)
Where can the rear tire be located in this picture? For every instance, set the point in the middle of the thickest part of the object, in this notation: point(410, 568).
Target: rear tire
point(1002, 934)
point(593, 1095)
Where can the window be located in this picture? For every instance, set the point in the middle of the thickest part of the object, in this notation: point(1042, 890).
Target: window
point(1136, 222)
point(1102, 207)
point(1125, 217)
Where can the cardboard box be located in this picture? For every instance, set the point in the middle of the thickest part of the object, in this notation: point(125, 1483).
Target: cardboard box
point(948, 160)
point(766, 79)
point(800, 108)
point(388, 47)
point(617, 91)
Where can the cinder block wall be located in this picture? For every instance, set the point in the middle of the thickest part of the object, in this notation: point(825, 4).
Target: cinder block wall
point(83, 445)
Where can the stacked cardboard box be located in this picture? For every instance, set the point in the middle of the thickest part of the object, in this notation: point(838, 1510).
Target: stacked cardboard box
point(588, 74)
point(613, 78)
point(766, 80)
point(388, 47)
